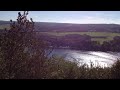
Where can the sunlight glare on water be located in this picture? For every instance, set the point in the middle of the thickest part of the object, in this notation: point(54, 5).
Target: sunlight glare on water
point(102, 59)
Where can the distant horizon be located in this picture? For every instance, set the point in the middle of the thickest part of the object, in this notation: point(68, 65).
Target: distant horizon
point(64, 23)
point(74, 17)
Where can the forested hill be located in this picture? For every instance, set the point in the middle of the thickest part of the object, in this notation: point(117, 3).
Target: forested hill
point(77, 27)
point(48, 26)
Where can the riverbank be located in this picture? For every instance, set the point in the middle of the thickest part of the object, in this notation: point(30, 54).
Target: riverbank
point(59, 68)
point(63, 69)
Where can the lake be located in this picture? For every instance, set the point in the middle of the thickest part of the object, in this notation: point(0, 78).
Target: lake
point(98, 58)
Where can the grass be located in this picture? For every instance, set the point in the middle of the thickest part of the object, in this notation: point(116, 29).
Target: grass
point(7, 26)
point(82, 33)
point(109, 35)
point(101, 40)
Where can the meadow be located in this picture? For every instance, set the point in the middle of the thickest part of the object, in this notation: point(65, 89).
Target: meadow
point(96, 36)
point(3, 26)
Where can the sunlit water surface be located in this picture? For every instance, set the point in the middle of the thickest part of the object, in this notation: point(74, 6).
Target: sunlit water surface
point(98, 58)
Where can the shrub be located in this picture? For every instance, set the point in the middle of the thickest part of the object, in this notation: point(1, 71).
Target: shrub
point(115, 70)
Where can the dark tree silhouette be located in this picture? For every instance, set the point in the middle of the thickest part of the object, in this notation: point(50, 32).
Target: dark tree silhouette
point(22, 53)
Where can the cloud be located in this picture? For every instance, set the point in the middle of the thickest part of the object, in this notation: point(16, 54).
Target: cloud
point(85, 19)
point(96, 20)
point(77, 17)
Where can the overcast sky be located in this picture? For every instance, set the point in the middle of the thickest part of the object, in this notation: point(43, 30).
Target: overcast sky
point(95, 17)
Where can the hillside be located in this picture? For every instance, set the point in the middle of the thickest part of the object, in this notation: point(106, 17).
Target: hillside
point(65, 27)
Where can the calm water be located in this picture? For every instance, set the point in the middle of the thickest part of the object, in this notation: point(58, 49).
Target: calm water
point(104, 59)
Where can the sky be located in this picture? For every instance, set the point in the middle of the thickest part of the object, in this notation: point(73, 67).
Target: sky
point(79, 17)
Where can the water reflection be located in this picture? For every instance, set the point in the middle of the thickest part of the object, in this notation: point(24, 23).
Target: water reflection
point(85, 57)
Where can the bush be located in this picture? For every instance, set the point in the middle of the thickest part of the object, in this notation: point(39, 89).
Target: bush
point(22, 53)
point(59, 68)
point(115, 70)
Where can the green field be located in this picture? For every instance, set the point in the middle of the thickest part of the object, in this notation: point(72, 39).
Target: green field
point(109, 35)
point(7, 26)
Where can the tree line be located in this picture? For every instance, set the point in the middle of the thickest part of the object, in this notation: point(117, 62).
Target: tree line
point(83, 42)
